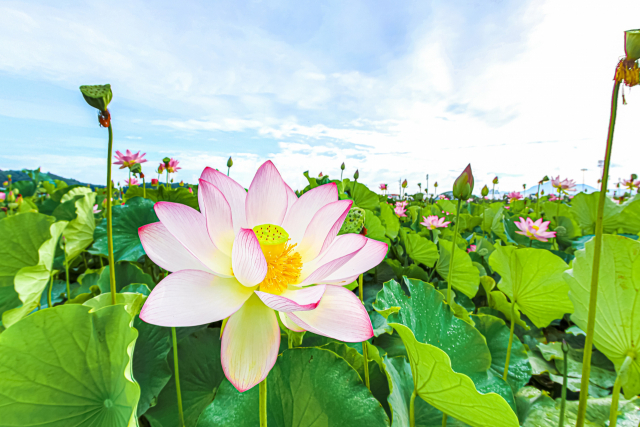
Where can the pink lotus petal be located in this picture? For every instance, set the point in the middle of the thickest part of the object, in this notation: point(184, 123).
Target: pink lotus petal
point(291, 197)
point(166, 251)
point(293, 300)
point(302, 212)
point(342, 251)
point(288, 323)
point(250, 343)
point(233, 192)
point(249, 263)
point(267, 198)
point(189, 227)
point(218, 216)
point(368, 257)
point(193, 297)
point(323, 229)
point(340, 315)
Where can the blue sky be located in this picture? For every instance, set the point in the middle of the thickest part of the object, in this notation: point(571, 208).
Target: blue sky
point(396, 89)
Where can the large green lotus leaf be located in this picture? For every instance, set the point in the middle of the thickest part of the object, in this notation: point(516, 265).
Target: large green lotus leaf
point(496, 332)
point(617, 308)
point(132, 302)
point(420, 249)
point(178, 195)
point(377, 378)
point(126, 274)
point(150, 367)
point(306, 387)
point(630, 216)
point(453, 393)
point(533, 277)
point(200, 376)
point(389, 220)
point(66, 211)
point(127, 219)
point(79, 232)
point(584, 208)
point(31, 281)
point(497, 226)
point(543, 411)
point(74, 192)
point(68, 366)
point(363, 197)
point(375, 229)
point(22, 237)
point(465, 276)
point(498, 301)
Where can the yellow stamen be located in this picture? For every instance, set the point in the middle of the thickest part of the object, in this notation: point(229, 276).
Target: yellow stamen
point(283, 263)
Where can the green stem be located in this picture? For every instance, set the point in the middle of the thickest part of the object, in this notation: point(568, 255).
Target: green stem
point(144, 188)
point(167, 179)
point(112, 262)
point(228, 170)
point(66, 273)
point(453, 251)
point(84, 259)
point(177, 373)
point(565, 371)
point(49, 304)
point(538, 201)
point(513, 324)
point(444, 420)
point(595, 273)
point(364, 343)
point(615, 397)
point(263, 403)
point(412, 412)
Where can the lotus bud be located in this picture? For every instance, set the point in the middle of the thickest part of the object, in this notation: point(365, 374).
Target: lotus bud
point(404, 184)
point(5, 184)
point(560, 231)
point(495, 180)
point(485, 191)
point(565, 347)
point(542, 192)
point(356, 175)
point(342, 166)
point(545, 179)
point(11, 197)
point(632, 44)
point(181, 184)
point(229, 162)
point(483, 252)
point(190, 190)
point(166, 161)
point(141, 175)
point(9, 178)
point(320, 175)
point(98, 96)
point(463, 186)
point(154, 181)
point(436, 184)
point(524, 186)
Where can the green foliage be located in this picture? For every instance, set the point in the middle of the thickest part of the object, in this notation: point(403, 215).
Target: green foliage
point(465, 276)
point(163, 194)
point(126, 274)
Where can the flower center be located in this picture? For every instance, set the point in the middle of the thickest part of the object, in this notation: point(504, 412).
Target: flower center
point(283, 263)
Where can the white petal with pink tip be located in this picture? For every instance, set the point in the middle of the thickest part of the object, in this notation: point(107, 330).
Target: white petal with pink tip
point(193, 297)
point(166, 251)
point(288, 323)
point(218, 217)
point(250, 344)
point(233, 192)
point(293, 300)
point(340, 315)
point(267, 199)
point(341, 252)
point(304, 209)
point(189, 227)
point(369, 256)
point(323, 229)
point(249, 264)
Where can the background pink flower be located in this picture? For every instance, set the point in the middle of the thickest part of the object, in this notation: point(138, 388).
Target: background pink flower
point(514, 195)
point(129, 159)
point(432, 222)
point(535, 230)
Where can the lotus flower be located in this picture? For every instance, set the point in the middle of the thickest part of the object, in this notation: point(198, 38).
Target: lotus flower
point(554, 198)
point(172, 166)
point(535, 230)
point(383, 187)
point(129, 159)
point(471, 248)
point(564, 186)
point(154, 181)
point(160, 168)
point(95, 209)
point(514, 195)
point(131, 181)
point(252, 256)
point(400, 210)
point(3, 196)
point(432, 222)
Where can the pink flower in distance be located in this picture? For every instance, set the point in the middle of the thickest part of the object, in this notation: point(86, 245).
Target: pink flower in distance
point(95, 209)
point(173, 166)
point(383, 187)
point(535, 230)
point(400, 210)
point(471, 248)
point(154, 181)
point(129, 159)
point(630, 184)
point(160, 168)
point(514, 195)
point(432, 222)
point(252, 256)
point(565, 185)
point(554, 198)
point(131, 181)
point(3, 196)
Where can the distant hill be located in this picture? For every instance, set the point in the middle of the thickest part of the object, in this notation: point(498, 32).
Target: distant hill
point(22, 176)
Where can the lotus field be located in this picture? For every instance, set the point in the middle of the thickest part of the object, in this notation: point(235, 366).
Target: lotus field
point(336, 304)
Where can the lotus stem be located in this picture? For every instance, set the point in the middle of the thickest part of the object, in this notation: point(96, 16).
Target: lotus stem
point(412, 411)
point(364, 343)
point(177, 373)
point(167, 179)
point(444, 420)
point(112, 262)
point(228, 171)
point(49, 304)
point(263, 403)
point(615, 397)
point(595, 273)
point(538, 200)
point(144, 188)
point(453, 251)
point(565, 379)
point(513, 324)
point(66, 273)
